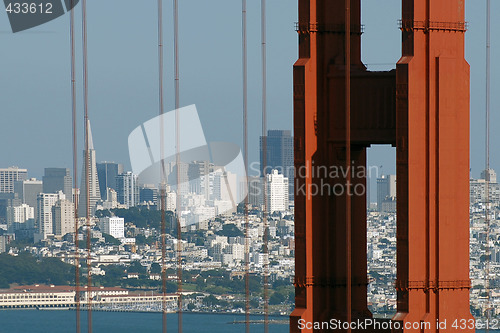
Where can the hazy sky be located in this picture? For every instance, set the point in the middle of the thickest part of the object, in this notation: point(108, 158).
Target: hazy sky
point(35, 100)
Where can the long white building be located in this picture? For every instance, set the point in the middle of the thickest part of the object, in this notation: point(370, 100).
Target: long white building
point(51, 296)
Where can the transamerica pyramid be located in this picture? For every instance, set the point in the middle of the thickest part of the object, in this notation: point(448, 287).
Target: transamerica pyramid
point(93, 181)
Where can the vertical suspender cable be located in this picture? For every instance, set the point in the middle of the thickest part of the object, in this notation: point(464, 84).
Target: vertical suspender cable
point(75, 165)
point(162, 170)
point(487, 163)
point(178, 164)
point(348, 155)
point(264, 161)
point(245, 148)
point(87, 165)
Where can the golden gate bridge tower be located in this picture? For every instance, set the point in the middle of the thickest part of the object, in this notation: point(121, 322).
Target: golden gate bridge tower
point(422, 109)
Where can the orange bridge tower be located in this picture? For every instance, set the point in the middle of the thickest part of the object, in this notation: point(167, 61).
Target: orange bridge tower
point(422, 109)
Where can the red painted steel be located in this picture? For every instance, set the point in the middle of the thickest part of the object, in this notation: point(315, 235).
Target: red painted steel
point(421, 108)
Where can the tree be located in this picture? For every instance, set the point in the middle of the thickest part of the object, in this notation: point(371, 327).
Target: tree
point(210, 300)
point(238, 305)
point(155, 268)
point(136, 267)
point(230, 230)
point(102, 213)
point(110, 239)
point(276, 298)
point(254, 303)
point(25, 269)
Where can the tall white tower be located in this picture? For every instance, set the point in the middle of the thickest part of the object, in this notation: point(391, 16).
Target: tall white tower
point(93, 181)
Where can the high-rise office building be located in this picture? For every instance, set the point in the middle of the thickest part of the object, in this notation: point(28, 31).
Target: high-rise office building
point(183, 177)
point(386, 192)
point(225, 186)
point(107, 172)
point(28, 190)
point(279, 155)
point(200, 174)
point(57, 179)
point(8, 176)
point(94, 194)
point(148, 193)
point(277, 192)
point(63, 214)
point(127, 189)
point(255, 191)
point(44, 217)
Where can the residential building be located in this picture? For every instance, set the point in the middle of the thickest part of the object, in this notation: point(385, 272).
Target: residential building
point(63, 213)
point(17, 216)
point(114, 226)
point(277, 192)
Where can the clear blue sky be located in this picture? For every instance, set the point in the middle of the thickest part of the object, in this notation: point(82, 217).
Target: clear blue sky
point(35, 75)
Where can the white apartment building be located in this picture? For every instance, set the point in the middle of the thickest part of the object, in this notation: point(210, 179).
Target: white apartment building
point(237, 250)
point(171, 201)
point(277, 192)
point(44, 216)
point(114, 226)
point(63, 213)
point(19, 214)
